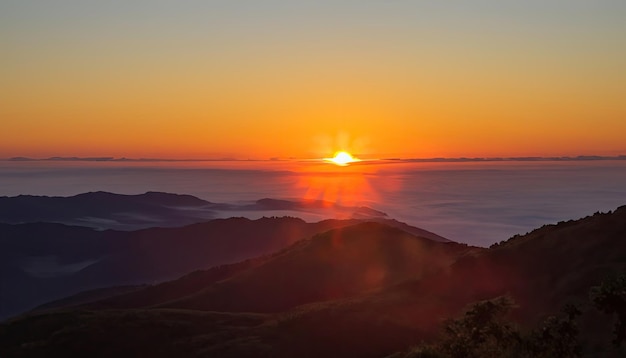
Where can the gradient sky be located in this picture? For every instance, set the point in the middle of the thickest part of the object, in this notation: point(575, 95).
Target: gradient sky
point(260, 79)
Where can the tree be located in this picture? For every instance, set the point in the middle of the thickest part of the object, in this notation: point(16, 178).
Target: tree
point(482, 332)
point(610, 298)
point(557, 336)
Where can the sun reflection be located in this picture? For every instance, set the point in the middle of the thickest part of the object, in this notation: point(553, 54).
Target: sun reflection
point(344, 185)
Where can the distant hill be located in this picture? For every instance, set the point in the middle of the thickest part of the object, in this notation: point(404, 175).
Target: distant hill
point(103, 210)
point(107, 210)
point(366, 290)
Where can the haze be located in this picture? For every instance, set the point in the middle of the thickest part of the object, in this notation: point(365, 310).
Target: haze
point(476, 203)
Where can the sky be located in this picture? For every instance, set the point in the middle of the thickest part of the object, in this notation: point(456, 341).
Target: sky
point(262, 79)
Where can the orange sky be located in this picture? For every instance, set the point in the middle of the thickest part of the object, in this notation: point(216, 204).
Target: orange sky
point(388, 79)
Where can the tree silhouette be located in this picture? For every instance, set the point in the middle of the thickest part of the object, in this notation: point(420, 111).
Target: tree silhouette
point(610, 298)
point(557, 336)
point(482, 332)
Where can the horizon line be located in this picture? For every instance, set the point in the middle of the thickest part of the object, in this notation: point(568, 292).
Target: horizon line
point(293, 159)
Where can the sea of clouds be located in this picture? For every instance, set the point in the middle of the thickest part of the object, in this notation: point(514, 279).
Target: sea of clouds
point(476, 203)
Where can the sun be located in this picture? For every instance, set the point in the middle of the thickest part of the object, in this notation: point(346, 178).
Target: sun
point(342, 158)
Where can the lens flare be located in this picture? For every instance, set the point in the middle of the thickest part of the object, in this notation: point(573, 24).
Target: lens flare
point(342, 158)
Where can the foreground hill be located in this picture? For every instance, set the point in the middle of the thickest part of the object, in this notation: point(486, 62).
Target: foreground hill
point(326, 297)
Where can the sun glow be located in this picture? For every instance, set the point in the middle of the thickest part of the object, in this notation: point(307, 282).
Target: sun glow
point(342, 158)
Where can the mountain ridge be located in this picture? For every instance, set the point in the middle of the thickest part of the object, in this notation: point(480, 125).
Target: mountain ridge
point(541, 270)
point(104, 210)
point(111, 257)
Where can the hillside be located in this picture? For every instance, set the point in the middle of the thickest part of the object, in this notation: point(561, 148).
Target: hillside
point(367, 290)
point(335, 264)
point(45, 261)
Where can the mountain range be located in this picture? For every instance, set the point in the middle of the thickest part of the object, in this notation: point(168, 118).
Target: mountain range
point(43, 260)
point(342, 288)
point(104, 210)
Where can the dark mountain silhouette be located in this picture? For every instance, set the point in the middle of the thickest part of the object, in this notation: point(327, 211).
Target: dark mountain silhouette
point(336, 264)
point(45, 261)
point(108, 210)
point(120, 258)
point(102, 210)
point(366, 290)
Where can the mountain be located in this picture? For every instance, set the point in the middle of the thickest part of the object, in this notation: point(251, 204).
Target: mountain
point(107, 210)
point(365, 290)
point(51, 247)
point(339, 263)
point(103, 210)
point(46, 261)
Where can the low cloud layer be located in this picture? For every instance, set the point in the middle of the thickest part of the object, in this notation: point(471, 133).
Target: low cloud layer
point(475, 203)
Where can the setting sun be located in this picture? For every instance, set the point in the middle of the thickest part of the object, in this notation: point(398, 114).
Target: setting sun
point(342, 158)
